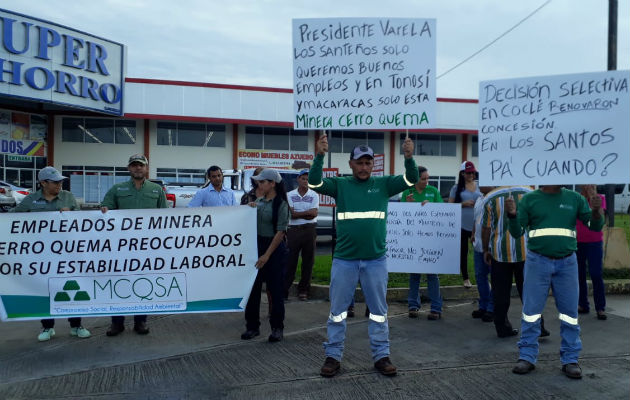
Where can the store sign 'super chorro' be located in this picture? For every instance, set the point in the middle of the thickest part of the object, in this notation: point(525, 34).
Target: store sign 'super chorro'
point(86, 263)
point(43, 61)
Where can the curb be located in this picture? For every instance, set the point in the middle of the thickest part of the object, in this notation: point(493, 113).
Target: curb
point(320, 292)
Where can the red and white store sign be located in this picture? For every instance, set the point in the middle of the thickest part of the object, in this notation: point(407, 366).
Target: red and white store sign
point(274, 159)
point(327, 201)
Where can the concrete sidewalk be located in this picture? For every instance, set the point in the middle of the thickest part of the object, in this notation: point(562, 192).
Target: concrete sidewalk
point(199, 356)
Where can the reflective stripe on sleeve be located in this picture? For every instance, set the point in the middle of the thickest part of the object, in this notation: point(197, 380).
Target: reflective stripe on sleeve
point(568, 320)
point(316, 186)
point(361, 215)
point(378, 318)
point(338, 318)
point(407, 180)
point(551, 232)
point(531, 318)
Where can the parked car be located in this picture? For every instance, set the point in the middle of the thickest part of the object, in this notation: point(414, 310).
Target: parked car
point(289, 177)
point(180, 193)
point(11, 195)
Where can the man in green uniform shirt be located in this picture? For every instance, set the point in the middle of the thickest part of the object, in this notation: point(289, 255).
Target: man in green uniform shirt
point(423, 193)
point(549, 216)
point(136, 193)
point(52, 198)
point(360, 251)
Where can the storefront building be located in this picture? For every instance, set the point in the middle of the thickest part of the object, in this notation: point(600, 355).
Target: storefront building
point(182, 127)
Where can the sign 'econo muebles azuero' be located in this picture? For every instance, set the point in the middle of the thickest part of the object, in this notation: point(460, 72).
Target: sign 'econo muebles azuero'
point(43, 61)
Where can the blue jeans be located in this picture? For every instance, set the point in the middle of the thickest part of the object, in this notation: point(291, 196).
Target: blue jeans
point(433, 288)
point(561, 275)
point(482, 270)
point(591, 254)
point(344, 276)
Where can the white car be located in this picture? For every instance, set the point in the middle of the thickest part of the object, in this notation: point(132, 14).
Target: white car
point(11, 195)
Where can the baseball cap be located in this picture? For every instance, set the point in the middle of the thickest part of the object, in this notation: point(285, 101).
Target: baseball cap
point(303, 172)
point(50, 174)
point(361, 151)
point(268, 174)
point(467, 166)
point(139, 158)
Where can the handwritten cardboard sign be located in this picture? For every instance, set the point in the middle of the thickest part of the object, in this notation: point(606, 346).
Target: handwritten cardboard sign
point(563, 129)
point(363, 73)
point(423, 239)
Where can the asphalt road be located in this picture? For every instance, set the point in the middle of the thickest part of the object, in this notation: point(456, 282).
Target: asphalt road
point(201, 356)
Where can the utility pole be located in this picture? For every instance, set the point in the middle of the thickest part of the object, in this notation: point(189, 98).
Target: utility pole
point(612, 65)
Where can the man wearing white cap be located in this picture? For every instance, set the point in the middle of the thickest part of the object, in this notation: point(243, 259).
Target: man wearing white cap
point(52, 198)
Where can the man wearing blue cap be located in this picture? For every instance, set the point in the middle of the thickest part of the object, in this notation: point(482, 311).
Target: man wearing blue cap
point(302, 234)
point(360, 250)
point(52, 198)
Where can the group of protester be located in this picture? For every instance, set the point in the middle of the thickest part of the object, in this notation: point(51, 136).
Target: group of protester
point(516, 232)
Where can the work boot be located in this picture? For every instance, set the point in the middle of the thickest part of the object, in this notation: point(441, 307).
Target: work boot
point(276, 335)
point(115, 329)
point(140, 328)
point(385, 367)
point(572, 370)
point(507, 333)
point(523, 367)
point(330, 367)
point(250, 334)
point(488, 316)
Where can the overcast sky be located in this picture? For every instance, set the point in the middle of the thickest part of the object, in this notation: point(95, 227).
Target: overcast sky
point(249, 42)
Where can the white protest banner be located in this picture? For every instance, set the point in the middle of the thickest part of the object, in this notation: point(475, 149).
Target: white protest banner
point(364, 73)
point(564, 129)
point(423, 239)
point(325, 200)
point(152, 261)
point(288, 159)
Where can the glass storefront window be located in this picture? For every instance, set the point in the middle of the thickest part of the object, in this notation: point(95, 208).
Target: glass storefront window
point(98, 130)
point(276, 138)
point(125, 132)
point(70, 131)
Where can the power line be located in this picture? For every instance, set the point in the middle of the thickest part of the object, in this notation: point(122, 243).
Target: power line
point(495, 40)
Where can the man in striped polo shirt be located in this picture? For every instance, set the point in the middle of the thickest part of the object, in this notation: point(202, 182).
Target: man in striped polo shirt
point(505, 255)
point(360, 251)
point(549, 214)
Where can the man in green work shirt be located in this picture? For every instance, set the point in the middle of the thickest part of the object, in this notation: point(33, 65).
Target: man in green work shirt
point(360, 250)
point(52, 198)
point(548, 216)
point(423, 193)
point(136, 193)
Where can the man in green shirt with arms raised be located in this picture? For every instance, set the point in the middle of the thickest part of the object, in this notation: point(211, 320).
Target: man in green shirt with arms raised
point(52, 198)
point(360, 251)
point(136, 193)
point(549, 216)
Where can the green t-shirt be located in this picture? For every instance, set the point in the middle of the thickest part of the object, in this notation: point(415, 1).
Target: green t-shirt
point(125, 196)
point(361, 208)
point(430, 193)
point(264, 216)
point(35, 202)
point(550, 220)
